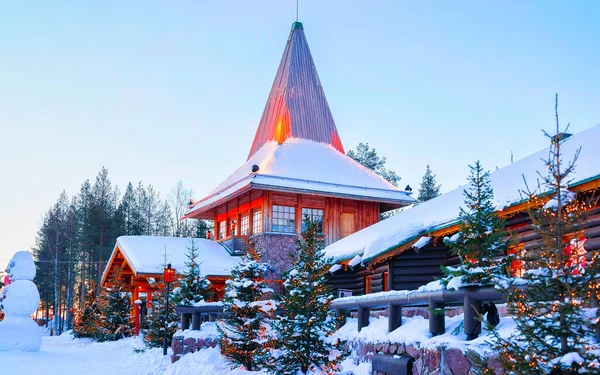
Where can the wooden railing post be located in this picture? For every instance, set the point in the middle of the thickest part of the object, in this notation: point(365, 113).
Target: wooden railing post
point(196, 322)
point(472, 324)
point(394, 317)
point(185, 321)
point(437, 318)
point(363, 316)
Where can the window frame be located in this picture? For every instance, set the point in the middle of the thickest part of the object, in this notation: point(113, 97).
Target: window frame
point(283, 219)
point(222, 229)
point(245, 224)
point(257, 221)
point(312, 215)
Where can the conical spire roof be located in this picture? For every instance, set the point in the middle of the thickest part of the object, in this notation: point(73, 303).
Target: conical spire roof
point(296, 107)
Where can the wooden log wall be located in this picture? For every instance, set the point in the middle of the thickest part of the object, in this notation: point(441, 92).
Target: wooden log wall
point(412, 269)
point(354, 279)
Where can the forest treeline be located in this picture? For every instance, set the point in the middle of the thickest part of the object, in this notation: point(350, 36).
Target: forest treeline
point(78, 234)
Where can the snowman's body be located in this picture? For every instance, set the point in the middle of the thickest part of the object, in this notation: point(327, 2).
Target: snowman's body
point(19, 300)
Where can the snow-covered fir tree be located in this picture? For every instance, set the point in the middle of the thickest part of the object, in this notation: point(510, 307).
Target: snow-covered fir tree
point(369, 158)
point(193, 287)
point(115, 321)
point(552, 299)
point(428, 188)
point(302, 332)
point(86, 319)
point(247, 314)
point(481, 238)
point(157, 321)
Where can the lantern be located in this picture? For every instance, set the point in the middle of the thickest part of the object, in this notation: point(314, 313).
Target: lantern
point(168, 275)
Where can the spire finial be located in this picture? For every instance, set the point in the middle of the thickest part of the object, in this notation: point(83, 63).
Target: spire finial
point(297, 10)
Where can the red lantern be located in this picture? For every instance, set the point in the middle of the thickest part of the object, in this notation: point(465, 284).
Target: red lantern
point(169, 272)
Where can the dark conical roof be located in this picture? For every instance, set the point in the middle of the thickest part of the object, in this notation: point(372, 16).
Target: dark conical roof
point(296, 107)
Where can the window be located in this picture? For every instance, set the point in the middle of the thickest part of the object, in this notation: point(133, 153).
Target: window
point(315, 215)
point(386, 286)
point(244, 225)
point(257, 222)
point(222, 229)
point(368, 287)
point(283, 219)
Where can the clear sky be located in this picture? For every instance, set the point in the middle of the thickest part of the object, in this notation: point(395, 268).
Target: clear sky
point(160, 91)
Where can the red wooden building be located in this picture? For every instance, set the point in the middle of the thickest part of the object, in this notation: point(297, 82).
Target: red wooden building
point(296, 167)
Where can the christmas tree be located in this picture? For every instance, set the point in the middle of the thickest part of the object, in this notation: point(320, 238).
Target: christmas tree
point(556, 330)
point(302, 332)
point(115, 322)
point(154, 335)
point(481, 237)
point(86, 320)
point(193, 287)
point(247, 314)
point(428, 188)
point(157, 321)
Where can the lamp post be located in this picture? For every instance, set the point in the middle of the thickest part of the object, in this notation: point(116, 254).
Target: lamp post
point(168, 278)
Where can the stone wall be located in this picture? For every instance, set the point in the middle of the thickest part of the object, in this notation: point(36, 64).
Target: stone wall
point(437, 361)
point(276, 249)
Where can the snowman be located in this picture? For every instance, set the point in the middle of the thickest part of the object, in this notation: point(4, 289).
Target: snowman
point(18, 301)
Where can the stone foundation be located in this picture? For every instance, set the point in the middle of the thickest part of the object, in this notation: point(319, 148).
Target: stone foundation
point(182, 346)
point(438, 361)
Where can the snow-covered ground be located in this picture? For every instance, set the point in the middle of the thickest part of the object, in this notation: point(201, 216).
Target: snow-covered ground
point(61, 355)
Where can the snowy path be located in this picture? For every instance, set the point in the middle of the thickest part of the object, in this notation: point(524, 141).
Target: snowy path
point(61, 355)
point(65, 356)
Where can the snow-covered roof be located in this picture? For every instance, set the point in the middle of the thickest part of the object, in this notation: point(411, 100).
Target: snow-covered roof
point(145, 254)
point(443, 211)
point(306, 166)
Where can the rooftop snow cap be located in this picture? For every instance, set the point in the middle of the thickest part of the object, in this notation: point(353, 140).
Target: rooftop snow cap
point(296, 106)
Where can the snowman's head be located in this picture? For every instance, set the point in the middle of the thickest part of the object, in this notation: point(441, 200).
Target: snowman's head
point(20, 298)
point(21, 267)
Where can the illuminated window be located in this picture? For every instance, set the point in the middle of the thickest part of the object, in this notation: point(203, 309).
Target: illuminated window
point(222, 229)
point(283, 219)
point(257, 222)
point(385, 282)
point(244, 224)
point(368, 288)
point(314, 215)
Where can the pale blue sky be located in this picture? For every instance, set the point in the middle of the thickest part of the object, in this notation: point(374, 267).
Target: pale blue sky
point(159, 91)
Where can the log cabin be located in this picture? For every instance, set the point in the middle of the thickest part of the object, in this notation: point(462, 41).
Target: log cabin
point(141, 260)
point(406, 251)
point(296, 168)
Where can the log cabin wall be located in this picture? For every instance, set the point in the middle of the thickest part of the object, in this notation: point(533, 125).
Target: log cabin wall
point(355, 279)
point(412, 269)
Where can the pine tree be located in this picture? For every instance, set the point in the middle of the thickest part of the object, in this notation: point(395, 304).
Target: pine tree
point(154, 335)
point(303, 331)
point(428, 188)
point(247, 314)
point(193, 287)
point(115, 322)
point(481, 237)
point(368, 157)
point(86, 319)
point(555, 331)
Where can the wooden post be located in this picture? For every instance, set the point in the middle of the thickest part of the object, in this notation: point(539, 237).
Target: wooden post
point(363, 317)
point(185, 321)
point(394, 317)
point(472, 310)
point(437, 320)
point(195, 321)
